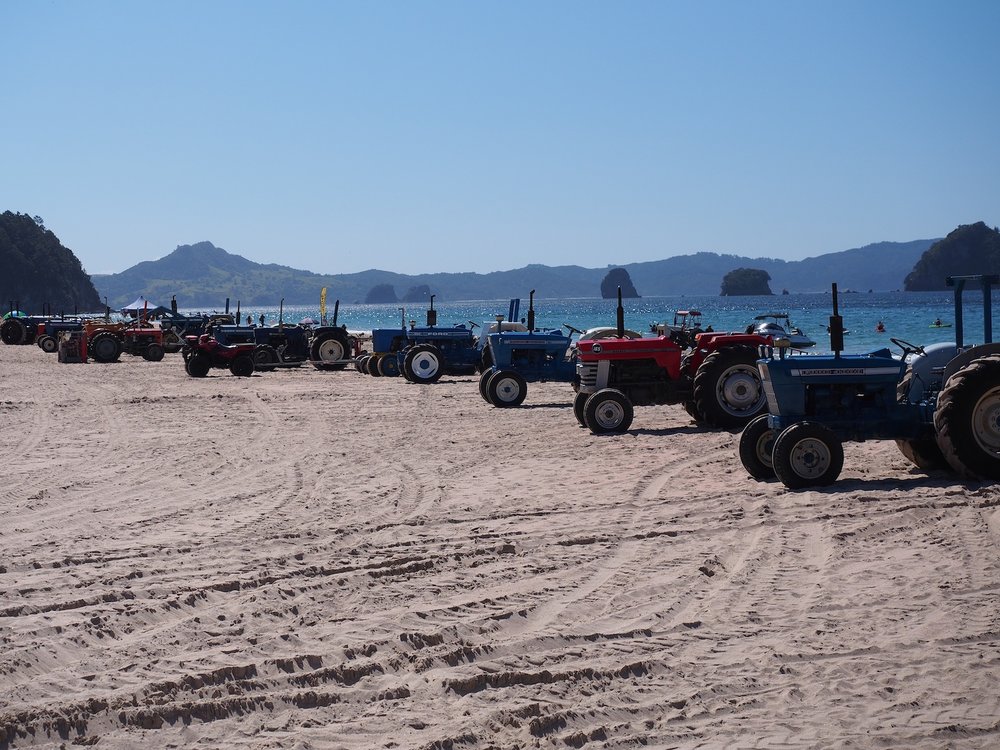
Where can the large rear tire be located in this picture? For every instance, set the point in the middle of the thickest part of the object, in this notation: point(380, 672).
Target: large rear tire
point(13, 331)
point(424, 364)
point(608, 410)
point(330, 347)
point(105, 347)
point(807, 455)
point(756, 447)
point(728, 391)
point(506, 389)
point(967, 419)
point(265, 358)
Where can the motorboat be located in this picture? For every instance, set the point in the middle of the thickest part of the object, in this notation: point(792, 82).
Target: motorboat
point(778, 326)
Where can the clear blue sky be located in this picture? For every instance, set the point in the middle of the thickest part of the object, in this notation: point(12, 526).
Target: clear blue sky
point(478, 136)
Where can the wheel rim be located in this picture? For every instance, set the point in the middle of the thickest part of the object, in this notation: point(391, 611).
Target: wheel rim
point(507, 390)
point(810, 458)
point(331, 350)
point(609, 414)
point(739, 391)
point(986, 422)
point(764, 448)
point(425, 365)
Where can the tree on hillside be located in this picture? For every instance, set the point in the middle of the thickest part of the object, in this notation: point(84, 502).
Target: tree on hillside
point(746, 281)
point(39, 271)
point(617, 277)
point(969, 249)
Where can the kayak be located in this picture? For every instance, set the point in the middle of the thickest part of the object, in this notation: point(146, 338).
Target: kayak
point(939, 325)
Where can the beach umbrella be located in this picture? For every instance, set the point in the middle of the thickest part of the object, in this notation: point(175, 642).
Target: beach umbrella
point(15, 314)
point(308, 321)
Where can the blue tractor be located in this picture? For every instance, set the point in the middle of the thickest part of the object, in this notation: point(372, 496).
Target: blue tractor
point(940, 403)
point(519, 357)
point(47, 335)
point(423, 354)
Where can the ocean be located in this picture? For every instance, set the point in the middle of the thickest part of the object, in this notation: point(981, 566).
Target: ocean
point(905, 315)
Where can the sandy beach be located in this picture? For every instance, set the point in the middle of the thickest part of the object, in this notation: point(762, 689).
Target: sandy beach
point(328, 560)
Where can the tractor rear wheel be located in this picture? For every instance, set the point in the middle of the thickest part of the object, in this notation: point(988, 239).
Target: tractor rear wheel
point(692, 409)
point(484, 380)
point(388, 366)
point(12, 331)
point(265, 358)
point(727, 388)
point(198, 365)
point(579, 402)
point(105, 347)
point(153, 353)
point(242, 365)
point(424, 364)
point(807, 455)
point(967, 419)
point(756, 447)
point(47, 344)
point(330, 347)
point(608, 410)
point(506, 389)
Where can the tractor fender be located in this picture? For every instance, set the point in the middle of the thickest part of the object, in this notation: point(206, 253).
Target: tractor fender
point(965, 357)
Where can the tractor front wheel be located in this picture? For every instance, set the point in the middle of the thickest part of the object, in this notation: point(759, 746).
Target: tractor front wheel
point(967, 419)
point(47, 344)
point(807, 455)
point(198, 365)
point(242, 365)
point(727, 388)
point(756, 447)
point(371, 366)
point(484, 380)
point(579, 402)
point(608, 410)
point(424, 364)
point(153, 353)
point(388, 366)
point(506, 389)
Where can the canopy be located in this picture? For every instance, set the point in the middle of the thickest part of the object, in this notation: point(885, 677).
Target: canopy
point(140, 304)
point(15, 314)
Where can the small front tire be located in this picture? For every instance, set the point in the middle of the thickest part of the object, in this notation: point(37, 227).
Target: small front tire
point(608, 410)
point(807, 455)
point(756, 447)
point(506, 389)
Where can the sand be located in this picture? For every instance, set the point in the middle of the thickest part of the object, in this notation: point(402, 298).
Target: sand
point(328, 560)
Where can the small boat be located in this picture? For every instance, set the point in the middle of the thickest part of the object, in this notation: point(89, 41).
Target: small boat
point(778, 325)
point(939, 324)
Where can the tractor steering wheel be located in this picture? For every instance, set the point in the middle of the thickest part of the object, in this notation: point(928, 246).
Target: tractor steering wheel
point(571, 329)
point(907, 347)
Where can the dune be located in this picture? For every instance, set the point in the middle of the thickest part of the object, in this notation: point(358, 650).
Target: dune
point(326, 560)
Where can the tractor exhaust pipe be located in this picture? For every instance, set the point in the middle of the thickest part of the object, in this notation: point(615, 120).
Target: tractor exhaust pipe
point(432, 316)
point(336, 309)
point(620, 313)
point(836, 327)
point(531, 310)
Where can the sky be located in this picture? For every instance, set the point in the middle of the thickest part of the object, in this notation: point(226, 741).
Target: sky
point(476, 135)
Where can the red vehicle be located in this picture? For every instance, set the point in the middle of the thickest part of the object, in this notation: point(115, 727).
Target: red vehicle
point(717, 380)
point(202, 353)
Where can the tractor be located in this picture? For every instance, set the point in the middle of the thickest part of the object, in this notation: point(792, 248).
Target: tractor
point(717, 381)
point(202, 353)
point(18, 329)
point(684, 329)
point(940, 403)
point(274, 346)
point(422, 355)
point(47, 332)
point(519, 357)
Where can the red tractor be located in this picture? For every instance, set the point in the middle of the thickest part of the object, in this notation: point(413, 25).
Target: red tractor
point(717, 381)
point(202, 353)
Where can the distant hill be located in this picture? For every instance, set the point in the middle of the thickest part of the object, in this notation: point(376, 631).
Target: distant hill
point(970, 249)
point(203, 275)
point(38, 271)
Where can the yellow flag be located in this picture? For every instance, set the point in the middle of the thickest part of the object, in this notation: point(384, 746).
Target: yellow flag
point(322, 306)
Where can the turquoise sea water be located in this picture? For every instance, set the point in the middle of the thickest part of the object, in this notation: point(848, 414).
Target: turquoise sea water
point(906, 315)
